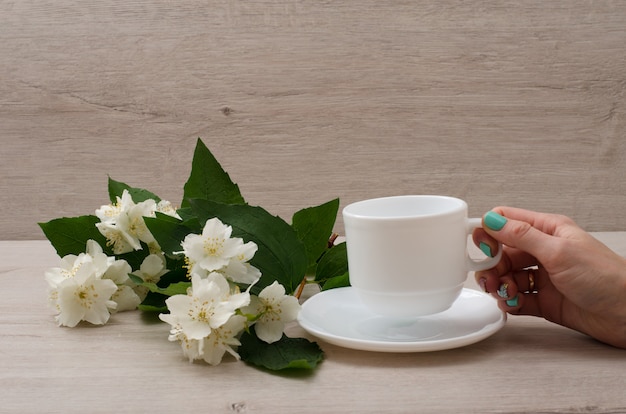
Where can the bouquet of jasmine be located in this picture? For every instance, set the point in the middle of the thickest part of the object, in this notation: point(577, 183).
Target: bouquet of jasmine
point(226, 276)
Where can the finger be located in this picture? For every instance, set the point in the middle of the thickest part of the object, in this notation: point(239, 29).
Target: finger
point(482, 278)
point(485, 242)
point(544, 222)
point(512, 260)
point(530, 284)
point(519, 234)
point(529, 280)
point(522, 304)
point(500, 287)
point(506, 290)
point(520, 259)
point(502, 268)
point(512, 305)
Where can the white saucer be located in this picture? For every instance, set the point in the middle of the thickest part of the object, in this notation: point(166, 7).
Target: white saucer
point(339, 317)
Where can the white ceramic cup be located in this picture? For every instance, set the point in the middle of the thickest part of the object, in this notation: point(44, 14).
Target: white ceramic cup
point(408, 255)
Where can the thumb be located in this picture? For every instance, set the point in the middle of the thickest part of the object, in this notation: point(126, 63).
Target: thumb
point(519, 234)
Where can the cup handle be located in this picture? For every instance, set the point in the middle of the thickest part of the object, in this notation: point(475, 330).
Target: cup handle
point(488, 263)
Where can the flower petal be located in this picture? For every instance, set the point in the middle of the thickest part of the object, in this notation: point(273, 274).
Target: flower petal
point(270, 331)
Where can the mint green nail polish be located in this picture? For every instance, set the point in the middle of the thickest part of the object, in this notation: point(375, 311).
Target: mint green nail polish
point(484, 247)
point(513, 302)
point(494, 221)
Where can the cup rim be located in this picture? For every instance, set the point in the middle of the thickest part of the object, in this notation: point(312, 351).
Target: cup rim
point(456, 204)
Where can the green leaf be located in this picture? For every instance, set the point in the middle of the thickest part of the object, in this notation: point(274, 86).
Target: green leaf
point(209, 181)
point(176, 271)
point(314, 226)
point(154, 302)
point(337, 282)
point(287, 353)
point(332, 265)
point(281, 255)
point(152, 308)
point(185, 213)
point(167, 232)
point(69, 235)
point(179, 288)
point(116, 188)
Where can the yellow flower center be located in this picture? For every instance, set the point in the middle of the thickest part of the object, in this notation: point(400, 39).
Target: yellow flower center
point(86, 296)
point(202, 312)
point(213, 246)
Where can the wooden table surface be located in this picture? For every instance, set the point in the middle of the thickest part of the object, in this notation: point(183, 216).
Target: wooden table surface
point(128, 366)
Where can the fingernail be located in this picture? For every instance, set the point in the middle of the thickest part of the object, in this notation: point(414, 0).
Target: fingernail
point(483, 284)
point(494, 221)
point(502, 291)
point(484, 247)
point(513, 302)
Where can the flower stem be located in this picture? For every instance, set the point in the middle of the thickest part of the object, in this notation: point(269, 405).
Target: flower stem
point(300, 288)
point(331, 241)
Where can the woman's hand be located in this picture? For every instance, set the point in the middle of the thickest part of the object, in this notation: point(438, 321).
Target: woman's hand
point(553, 269)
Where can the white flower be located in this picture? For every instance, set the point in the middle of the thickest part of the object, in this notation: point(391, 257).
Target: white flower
point(222, 340)
point(68, 267)
point(166, 207)
point(84, 297)
point(120, 241)
point(123, 226)
point(118, 272)
point(70, 264)
point(96, 261)
point(274, 310)
point(204, 320)
point(208, 307)
point(125, 297)
point(213, 249)
point(238, 270)
point(212, 348)
point(151, 270)
point(82, 287)
point(110, 212)
point(100, 260)
point(191, 347)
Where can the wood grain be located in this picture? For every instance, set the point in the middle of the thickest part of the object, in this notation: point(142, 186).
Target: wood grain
point(498, 102)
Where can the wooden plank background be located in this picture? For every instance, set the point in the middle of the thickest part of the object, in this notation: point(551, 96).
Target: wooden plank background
point(497, 102)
